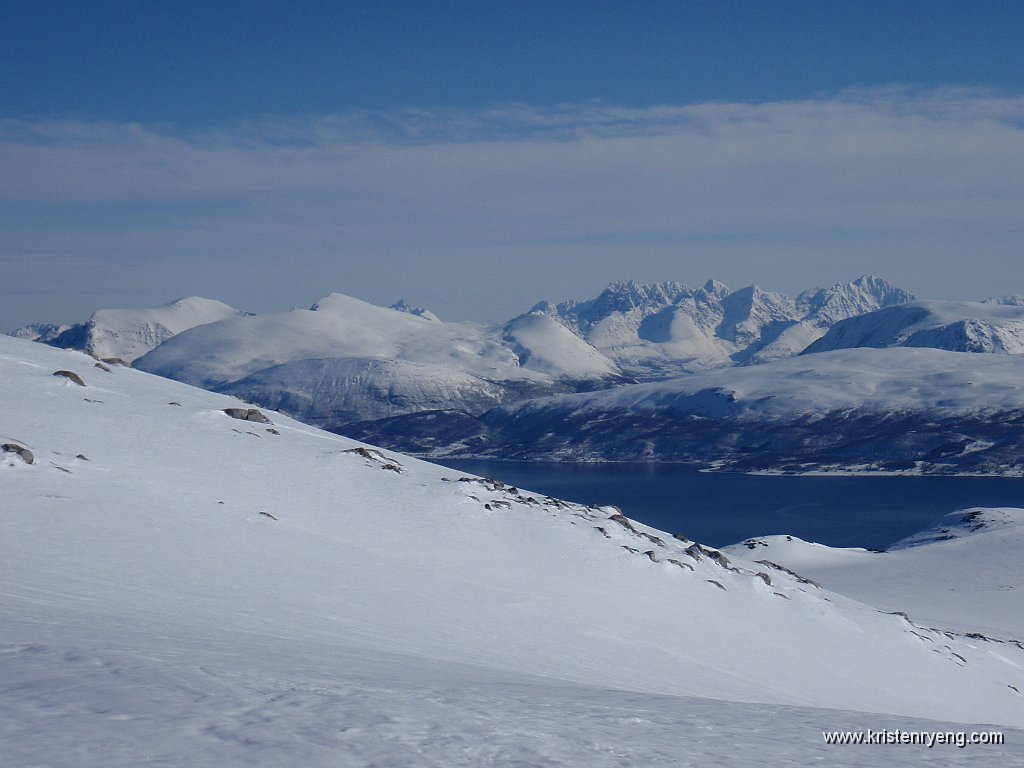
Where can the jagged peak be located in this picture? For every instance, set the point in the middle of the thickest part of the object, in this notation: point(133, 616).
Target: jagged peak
point(1014, 300)
point(842, 300)
point(402, 306)
point(644, 292)
point(714, 287)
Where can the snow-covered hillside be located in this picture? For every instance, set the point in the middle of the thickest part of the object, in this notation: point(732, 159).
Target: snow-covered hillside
point(184, 583)
point(920, 410)
point(962, 575)
point(959, 326)
point(664, 329)
point(126, 334)
point(346, 360)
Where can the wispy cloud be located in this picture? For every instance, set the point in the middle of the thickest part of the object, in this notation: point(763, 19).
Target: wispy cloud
point(893, 180)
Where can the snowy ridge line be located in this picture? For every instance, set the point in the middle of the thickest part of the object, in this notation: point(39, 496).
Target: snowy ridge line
point(402, 378)
point(676, 550)
point(893, 410)
point(960, 577)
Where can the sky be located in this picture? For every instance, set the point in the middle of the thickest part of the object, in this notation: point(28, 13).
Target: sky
point(477, 157)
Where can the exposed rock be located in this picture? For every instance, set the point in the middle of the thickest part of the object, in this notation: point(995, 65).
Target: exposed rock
point(374, 455)
point(623, 521)
point(70, 376)
point(20, 450)
point(247, 414)
point(794, 574)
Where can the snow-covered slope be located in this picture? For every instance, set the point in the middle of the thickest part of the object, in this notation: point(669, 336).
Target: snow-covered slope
point(126, 334)
point(179, 580)
point(346, 360)
point(549, 347)
point(922, 410)
point(664, 329)
point(963, 575)
point(959, 326)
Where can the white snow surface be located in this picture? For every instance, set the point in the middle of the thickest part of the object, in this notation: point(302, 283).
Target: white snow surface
point(342, 327)
point(127, 334)
point(893, 380)
point(545, 345)
point(654, 331)
point(346, 361)
point(995, 326)
point(184, 588)
point(962, 575)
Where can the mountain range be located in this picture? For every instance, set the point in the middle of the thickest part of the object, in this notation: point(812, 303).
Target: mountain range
point(401, 377)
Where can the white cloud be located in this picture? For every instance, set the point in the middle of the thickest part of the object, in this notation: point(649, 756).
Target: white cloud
point(788, 193)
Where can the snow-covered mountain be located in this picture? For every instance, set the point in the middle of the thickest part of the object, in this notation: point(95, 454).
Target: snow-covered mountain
point(920, 410)
point(41, 332)
point(401, 376)
point(346, 360)
point(664, 329)
point(995, 326)
point(126, 334)
point(191, 581)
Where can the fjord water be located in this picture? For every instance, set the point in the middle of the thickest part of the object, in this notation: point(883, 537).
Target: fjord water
point(720, 508)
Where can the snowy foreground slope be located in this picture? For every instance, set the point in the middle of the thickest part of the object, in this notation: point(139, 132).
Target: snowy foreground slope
point(184, 587)
point(964, 574)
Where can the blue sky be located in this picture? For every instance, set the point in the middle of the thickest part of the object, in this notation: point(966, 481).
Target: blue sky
point(477, 157)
